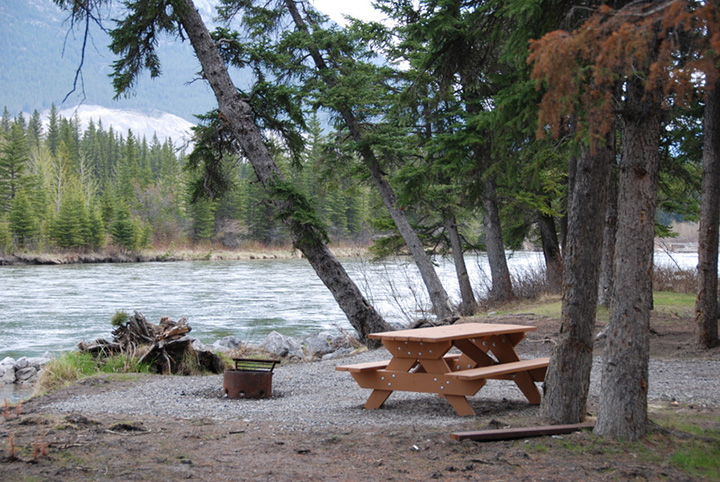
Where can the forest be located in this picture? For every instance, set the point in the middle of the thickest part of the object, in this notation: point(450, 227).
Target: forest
point(67, 189)
point(576, 124)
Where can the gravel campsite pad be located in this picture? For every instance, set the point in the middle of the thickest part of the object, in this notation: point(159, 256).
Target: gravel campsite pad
point(314, 427)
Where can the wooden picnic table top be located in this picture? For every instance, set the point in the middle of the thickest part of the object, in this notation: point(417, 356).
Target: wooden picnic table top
point(451, 332)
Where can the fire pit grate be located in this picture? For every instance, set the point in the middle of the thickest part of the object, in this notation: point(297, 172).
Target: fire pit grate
point(254, 365)
point(251, 378)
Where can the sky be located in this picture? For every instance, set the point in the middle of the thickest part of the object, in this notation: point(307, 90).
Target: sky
point(335, 9)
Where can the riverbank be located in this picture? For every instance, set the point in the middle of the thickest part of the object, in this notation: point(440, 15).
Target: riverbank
point(154, 428)
point(168, 255)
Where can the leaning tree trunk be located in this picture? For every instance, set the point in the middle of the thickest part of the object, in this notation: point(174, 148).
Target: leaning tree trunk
point(551, 252)
point(501, 289)
point(567, 381)
point(468, 306)
point(237, 115)
point(438, 296)
point(706, 305)
point(623, 396)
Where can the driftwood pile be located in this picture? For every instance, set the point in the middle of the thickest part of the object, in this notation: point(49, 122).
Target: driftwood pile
point(170, 349)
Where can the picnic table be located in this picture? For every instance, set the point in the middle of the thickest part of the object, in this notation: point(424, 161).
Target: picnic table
point(421, 363)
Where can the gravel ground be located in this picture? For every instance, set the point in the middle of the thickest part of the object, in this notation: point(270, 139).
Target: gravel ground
point(314, 394)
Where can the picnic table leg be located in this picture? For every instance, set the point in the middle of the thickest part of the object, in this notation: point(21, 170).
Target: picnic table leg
point(504, 349)
point(377, 398)
point(526, 384)
point(460, 404)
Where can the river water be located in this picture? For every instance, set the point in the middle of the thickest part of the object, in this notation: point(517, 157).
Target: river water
point(52, 308)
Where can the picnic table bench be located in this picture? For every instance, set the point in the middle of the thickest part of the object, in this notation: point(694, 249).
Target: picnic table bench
point(421, 363)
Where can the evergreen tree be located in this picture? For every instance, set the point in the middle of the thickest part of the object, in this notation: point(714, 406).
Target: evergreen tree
point(35, 130)
point(124, 230)
point(6, 120)
point(204, 219)
point(53, 133)
point(71, 228)
point(23, 221)
point(96, 229)
point(14, 157)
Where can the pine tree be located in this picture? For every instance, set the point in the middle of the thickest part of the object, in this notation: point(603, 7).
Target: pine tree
point(96, 229)
point(70, 228)
point(5, 121)
point(14, 157)
point(204, 219)
point(124, 230)
point(53, 133)
point(23, 221)
point(35, 130)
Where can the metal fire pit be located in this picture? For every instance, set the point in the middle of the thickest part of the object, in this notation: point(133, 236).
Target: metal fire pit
point(249, 379)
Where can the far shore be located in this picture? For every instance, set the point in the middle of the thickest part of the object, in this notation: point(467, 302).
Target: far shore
point(667, 245)
point(169, 255)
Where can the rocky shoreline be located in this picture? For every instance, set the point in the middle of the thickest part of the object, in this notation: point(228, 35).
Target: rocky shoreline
point(23, 371)
point(170, 255)
point(20, 259)
point(324, 345)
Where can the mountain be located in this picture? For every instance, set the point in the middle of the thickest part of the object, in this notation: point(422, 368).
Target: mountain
point(41, 54)
point(142, 124)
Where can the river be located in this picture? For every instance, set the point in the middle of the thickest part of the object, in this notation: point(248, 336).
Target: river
point(52, 308)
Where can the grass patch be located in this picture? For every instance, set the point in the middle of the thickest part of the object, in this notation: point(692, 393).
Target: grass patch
point(698, 458)
point(682, 304)
point(73, 366)
point(697, 454)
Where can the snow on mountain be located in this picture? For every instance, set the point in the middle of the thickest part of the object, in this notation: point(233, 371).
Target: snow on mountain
point(142, 124)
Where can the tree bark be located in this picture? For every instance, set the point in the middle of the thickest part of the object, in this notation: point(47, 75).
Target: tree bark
point(608, 251)
point(551, 253)
point(237, 115)
point(501, 289)
point(438, 296)
point(623, 401)
point(468, 305)
point(567, 381)
point(706, 305)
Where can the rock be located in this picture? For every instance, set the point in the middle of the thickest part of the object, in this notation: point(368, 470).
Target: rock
point(319, 344)
point(8, 361)
point(22, 363)
point(38, 362)
point(25, 375)
point(282, 346)
point(228, 343)
point(198, 345)
point(338, 353)
point(9, 376)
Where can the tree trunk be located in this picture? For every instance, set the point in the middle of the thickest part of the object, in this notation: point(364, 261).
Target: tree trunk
point(237, 115)
point(608, 251)
point(468, 306)
point(623, 401)
point(568, 377)
point(438, 296)
point(706, 305)
point(501, 289)
point(551, 252)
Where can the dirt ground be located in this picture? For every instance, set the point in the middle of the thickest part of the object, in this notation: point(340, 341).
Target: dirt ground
point(40, 446)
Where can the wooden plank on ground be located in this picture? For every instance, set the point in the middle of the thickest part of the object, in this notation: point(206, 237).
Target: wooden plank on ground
point(521, 432)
